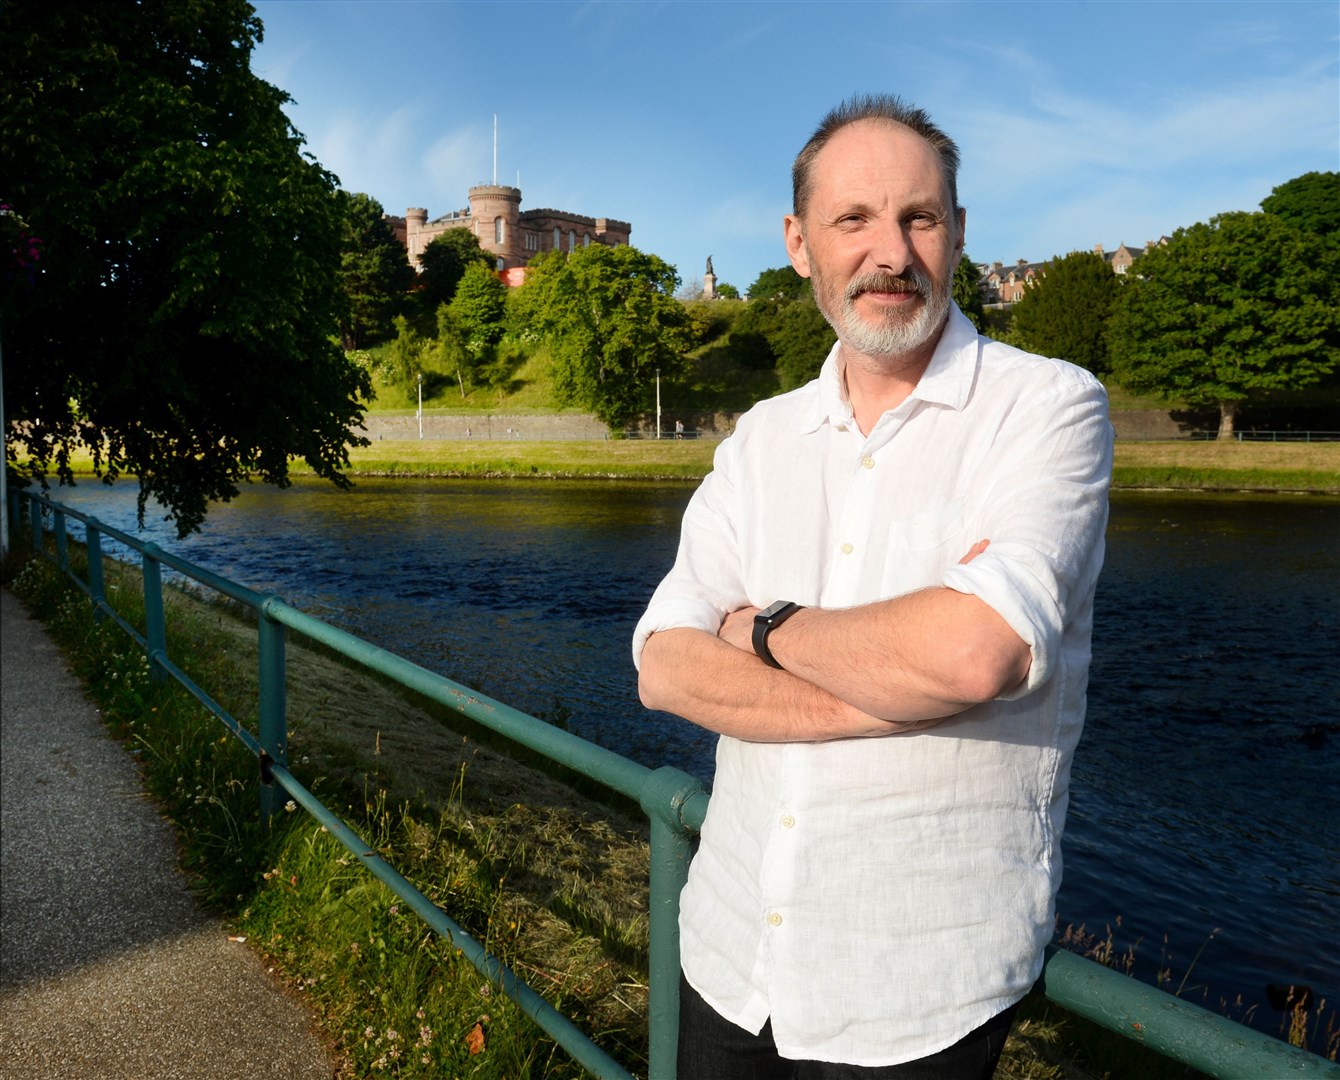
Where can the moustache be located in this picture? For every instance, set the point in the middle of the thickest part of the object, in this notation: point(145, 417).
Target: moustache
point(913, 280)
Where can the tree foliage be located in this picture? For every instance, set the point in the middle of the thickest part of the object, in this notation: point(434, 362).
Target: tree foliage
point(374, 273)
point(443, 263)
point(184, 319)
point(779, 283)
point(612, 321)
point(1310, 202)
point(967, 291)
point(1227, 310)
point(479, 307)
point(1065, 312)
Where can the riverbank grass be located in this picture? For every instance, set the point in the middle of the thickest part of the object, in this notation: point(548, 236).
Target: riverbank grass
point(1181, 465)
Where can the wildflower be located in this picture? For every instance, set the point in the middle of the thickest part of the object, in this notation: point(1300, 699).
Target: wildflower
point(392, 1035)
point(368, 1032)
point(290, 806)
point(425, 1035)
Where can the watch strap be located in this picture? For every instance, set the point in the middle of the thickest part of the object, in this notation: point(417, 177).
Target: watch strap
point(765, 622)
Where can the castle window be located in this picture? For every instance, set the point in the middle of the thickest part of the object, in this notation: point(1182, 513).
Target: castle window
point(532, 242)
point(499, 230)
point(558, 238)
point(586, 239)
point(572, 239)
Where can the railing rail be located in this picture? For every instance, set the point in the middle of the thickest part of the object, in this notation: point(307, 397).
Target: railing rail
point(675, 804)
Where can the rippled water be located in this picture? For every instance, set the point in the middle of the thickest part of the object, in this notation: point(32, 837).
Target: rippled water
point(1204, 802)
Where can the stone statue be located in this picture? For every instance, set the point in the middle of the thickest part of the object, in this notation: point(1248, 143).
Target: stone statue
point(709, 265)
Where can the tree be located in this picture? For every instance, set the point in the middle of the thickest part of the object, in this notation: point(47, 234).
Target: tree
point(442, 265)
point(1310, 202)
point(967, 289)
point(727, 291)
point(1227, 310)
point(184, 320)
point(374, 273)
point(779, 283)
point(612, 321)
point(479, 307)
point(802, 339)
point(1065, 312)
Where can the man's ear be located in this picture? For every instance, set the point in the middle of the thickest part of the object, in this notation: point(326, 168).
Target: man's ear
point(795, 245)
point(962, 215)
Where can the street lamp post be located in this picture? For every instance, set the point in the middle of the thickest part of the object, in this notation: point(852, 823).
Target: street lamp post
point(658, 403)
point(420, 414)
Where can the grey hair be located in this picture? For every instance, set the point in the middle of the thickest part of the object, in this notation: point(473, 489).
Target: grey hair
point(872, 107)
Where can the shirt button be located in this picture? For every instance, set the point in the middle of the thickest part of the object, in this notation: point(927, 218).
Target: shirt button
point(846, 549)
point(774, 919)
point(787, 821)
point(867, 462)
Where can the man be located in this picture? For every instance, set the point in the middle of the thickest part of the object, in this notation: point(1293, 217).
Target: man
point(882, 602)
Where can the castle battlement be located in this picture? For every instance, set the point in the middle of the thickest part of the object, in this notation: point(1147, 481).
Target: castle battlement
point(505, 231)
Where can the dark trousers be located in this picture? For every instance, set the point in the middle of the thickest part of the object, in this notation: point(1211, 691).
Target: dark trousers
point(711, 1048)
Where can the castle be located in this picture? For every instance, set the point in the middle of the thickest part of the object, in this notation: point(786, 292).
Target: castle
point(512, 236)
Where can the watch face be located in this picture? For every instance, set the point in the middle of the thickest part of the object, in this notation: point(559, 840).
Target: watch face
point(773, 608)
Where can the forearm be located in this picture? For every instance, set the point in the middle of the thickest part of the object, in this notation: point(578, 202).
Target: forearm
point(928, 654)
point(717, 686)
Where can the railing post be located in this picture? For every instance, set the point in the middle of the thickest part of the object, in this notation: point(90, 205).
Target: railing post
point(35, 520)
point(96, 588)
point(273, 707)
point(12, 495)
point(62, 548)
point(155, 627)
point(663, 798)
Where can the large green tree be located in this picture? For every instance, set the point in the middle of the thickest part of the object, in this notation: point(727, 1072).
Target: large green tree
point(374, 273)
point(479, 307)
point(612, 322)
point(443, 263)
point(778, 283)
point(967, 289)
point(1228, 310)
point(183, 323)
point(1310, 202)
point(1065, 312)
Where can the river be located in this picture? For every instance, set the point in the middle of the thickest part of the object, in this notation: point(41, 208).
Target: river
point(1204, 808)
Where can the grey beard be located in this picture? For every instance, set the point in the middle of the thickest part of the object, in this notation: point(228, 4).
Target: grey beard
point(895, 336)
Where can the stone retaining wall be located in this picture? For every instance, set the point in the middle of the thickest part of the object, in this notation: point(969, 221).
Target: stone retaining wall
point(1129, 424)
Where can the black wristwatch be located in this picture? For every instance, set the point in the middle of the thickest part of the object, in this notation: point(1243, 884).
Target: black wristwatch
point(765, 622)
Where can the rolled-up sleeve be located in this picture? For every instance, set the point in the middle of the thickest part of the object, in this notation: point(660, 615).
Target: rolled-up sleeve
point(705, 583)
point(1044, 510)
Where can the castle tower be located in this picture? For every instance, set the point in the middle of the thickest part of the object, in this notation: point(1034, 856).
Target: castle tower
point(416, 219)
point(495, 210)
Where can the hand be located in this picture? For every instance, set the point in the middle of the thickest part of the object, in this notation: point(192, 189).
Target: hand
point(738, 629)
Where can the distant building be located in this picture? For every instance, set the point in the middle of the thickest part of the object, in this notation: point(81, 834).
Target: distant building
point(1001, 285)
point(512, 236)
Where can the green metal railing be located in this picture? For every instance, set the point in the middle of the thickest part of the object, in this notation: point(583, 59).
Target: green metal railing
point(674, 802)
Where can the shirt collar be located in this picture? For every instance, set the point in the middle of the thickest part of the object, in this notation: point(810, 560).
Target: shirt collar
point(947, 380)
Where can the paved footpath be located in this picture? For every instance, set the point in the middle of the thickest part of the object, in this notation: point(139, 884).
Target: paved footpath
point(108, 967)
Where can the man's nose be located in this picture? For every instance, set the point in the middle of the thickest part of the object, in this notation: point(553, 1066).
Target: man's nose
point(891, 247)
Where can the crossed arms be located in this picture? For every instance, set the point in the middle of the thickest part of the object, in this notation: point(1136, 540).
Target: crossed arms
point(890, 666)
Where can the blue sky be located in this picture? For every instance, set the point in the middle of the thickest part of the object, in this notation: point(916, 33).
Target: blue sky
point(1079, 123)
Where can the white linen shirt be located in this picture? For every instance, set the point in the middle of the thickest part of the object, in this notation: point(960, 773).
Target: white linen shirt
point(880, 898)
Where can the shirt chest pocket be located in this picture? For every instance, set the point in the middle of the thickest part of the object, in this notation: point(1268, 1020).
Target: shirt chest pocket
point(922, 546)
